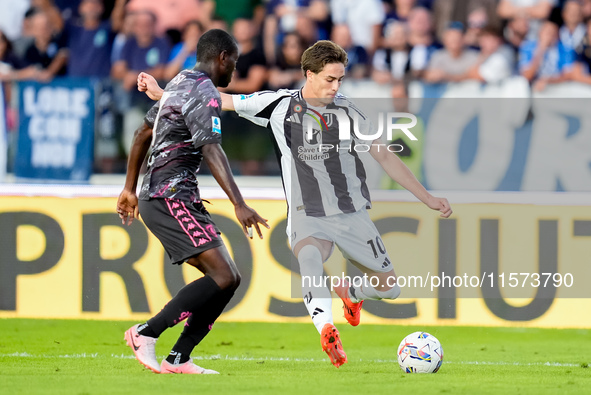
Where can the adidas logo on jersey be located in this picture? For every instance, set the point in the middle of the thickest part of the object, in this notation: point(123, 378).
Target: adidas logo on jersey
point(294, 118)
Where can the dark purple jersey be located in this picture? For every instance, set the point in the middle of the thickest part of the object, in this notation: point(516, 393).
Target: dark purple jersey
point(186, 118)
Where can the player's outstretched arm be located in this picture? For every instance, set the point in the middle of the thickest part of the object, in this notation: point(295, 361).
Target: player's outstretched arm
point(217, 161)
point(399, 172)
point(227, 102)
point(127, 204)
point(147, 83)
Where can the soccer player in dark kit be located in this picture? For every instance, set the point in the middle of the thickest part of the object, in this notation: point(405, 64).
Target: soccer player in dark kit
point(182, 129)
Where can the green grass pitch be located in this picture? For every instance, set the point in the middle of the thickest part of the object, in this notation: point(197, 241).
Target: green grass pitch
point(90, 357)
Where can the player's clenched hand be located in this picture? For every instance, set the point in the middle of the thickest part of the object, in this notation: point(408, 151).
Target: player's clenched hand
point(441, 205)
point(249, 218)
point(147, 83)
point(127, 207)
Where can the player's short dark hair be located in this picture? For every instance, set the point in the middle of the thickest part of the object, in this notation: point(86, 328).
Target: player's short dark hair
point(321, 54)
point(212, 43)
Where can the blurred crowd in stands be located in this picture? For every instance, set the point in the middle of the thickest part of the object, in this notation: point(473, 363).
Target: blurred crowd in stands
point(391, 42)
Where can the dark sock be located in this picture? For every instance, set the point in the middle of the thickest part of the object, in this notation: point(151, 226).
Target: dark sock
point(145, 330)
point(192, 297)
point(198, 326)
point(176, 358)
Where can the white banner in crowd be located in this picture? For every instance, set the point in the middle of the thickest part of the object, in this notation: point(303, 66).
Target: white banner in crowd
point(560, 147)
point(495, 137)
point(506, 138)
point(56, 130)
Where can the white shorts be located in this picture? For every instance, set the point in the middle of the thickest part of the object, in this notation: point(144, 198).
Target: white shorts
point(354, 234)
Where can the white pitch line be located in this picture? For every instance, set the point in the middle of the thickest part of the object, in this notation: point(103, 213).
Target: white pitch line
point(281, 359)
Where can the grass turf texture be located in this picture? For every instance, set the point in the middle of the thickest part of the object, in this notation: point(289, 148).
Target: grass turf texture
point(89, 357)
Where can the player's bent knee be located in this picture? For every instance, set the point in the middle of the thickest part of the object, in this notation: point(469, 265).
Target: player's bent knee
point(228, 279)
point(309, 252)
point(309, 255)
point(237, 280)
point(391, 293)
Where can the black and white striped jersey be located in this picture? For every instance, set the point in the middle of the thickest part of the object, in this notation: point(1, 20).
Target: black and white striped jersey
point(320, 165)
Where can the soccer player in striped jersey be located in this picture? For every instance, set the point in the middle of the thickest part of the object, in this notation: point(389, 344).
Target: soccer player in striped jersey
point(325, 187)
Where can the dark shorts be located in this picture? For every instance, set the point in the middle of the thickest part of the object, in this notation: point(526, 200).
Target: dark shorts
point(185, 229)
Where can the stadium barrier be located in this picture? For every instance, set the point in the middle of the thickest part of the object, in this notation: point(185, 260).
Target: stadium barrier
point(489, 137)
point(472, 136)
point(65, 254)
point(504, 137)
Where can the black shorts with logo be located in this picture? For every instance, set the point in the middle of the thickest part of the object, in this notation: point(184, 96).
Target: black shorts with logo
point(185, 229)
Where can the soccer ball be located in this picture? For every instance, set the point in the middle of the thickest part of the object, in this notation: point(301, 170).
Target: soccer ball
point(420, 352)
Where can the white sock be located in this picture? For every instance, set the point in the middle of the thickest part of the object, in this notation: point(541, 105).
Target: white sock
point(364, 291)
point(316, 295)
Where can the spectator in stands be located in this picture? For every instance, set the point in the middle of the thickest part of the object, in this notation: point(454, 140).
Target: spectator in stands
point(391, 63)
point(586, 9)
point(145, 51)
point(581, 71)
point(122, 36)
point(8, 63)
point(310, 19)
point(230, 10)
point(358, 60)
point(12, 17)
point(516, 32)
point(218, 23)
point(535, 10)
point(287, 71)
point(8, 60)
point(496, 59)
point(447, 11)
point(477, 20)
point(20, 44)
point(142, 51)
point(90, 40)
point(364, 19)
point(69, 8)
point(251, 70)
point(246, 146)
point(451, 63)
point(53, 14)
point(184, 54)
point(46, 56)
point(310, 30)
point(545, 60)
point(398, 10)
point(170, 14)
point(573, 30)
point(421, 40)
